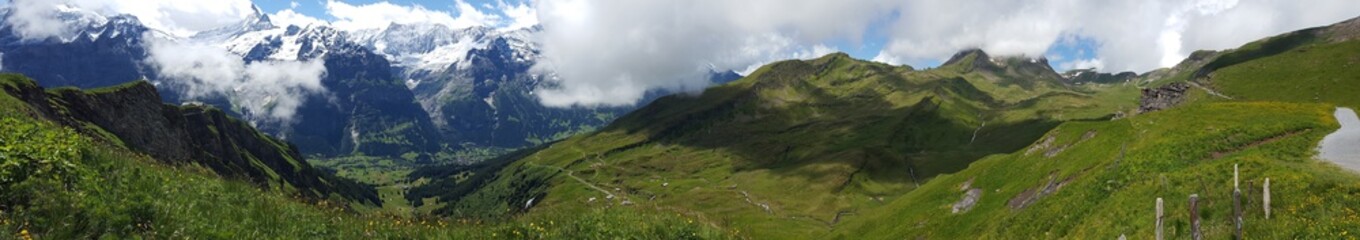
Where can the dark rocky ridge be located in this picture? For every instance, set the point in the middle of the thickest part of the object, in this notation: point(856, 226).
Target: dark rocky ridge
point(135, 117)
point(1156, 99)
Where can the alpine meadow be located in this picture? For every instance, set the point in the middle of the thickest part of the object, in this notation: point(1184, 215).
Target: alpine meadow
point(671, 119)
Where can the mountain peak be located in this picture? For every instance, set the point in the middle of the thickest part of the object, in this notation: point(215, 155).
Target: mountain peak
point(257, 21)
point(259, 18)
point(962, 56)
point(835, 55)
point(1016, 66)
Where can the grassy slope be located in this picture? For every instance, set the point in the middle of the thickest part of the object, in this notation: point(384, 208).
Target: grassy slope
point(1315, 65)
point(1321, 72)
point(58, 184)
point(813, 140)
point(267, 163)
point(1117, 175)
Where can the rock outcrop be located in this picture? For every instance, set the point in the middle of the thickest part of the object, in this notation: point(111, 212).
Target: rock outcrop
point(132, 115)
point(1155, 99)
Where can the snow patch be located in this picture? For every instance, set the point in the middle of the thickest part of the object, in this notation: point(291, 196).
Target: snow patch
point(447, 55)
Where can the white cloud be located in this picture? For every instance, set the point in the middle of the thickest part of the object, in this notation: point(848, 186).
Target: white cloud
point(382, 14)
point(34, 19)
point(37, 19)
point(1251, 20)
point(520, 16)
point(266, 91)
point(1082, 64)
point(610, 52)
point(1132, 35)
point(607, 52)
point(288, 17)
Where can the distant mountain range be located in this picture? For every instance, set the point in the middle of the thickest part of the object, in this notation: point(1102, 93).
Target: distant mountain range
point(403, 90)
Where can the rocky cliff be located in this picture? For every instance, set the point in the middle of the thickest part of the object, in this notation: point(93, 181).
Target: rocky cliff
point(133, 116)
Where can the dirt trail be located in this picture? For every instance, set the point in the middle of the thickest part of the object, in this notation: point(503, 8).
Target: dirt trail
point(1210, 91)
point(572, 175)
point(1221, 154)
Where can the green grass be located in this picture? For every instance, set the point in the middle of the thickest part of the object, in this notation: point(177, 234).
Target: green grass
point(815, 141)
point(1116, 176)
point(1321, 73)
point(1304, 66)
point(56, 183)
point(61, 185)
point(386, 174)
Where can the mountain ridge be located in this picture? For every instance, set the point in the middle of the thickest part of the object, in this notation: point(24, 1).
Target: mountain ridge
point(843, 131)
point(132, 115)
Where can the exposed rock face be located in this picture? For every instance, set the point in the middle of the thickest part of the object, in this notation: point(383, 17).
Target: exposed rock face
point(365, 109)
point(100, 52)
point(1155, 99)
point(135, 117)
point(1032, 195)
point(970, 198)
point(1344, 31)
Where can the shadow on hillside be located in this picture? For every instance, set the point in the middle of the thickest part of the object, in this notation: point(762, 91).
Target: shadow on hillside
point(863, 130)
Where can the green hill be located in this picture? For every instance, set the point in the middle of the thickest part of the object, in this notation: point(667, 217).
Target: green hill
point(788, 151)
point(73, 166)
point(834, 147)
point(1316, 65)
point(1104, 177)
point(132, 116)
point(1264, 106)
point(840, 148)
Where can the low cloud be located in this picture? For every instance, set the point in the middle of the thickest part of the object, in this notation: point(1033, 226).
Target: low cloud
point(1081, 64)
point(265, 91)
point(610, 52)
point(1131, 35)
point(38, 19)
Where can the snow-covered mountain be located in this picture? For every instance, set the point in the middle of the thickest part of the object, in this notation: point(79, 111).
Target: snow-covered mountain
point(404, 88)
point(89, 50)
point(363, 109)
point(477, 86)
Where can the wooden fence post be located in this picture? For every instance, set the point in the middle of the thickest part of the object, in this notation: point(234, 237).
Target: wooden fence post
point(1266, 198)
point(1194, 217)
point(1237, 205)
point(1235, 185)
point(1237, 213)
point(1159, 219)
